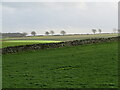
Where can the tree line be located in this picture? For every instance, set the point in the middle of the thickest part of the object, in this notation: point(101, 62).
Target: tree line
point(13, 34)
point(62, 32)
point(94, 31)
point(33, 33)
point(100, 31)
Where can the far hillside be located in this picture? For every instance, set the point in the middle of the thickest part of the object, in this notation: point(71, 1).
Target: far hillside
point(64, 37)
point(28, 40)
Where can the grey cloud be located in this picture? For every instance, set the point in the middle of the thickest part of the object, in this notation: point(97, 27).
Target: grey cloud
point(46, 16)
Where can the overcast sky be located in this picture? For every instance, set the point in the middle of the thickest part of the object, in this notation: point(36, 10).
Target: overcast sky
point(73, 17)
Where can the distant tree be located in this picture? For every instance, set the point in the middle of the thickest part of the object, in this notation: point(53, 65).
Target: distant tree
point(99, 30)
point(52, 32)
point(114, 30)
point(94, 31)
point(24, 33)
point(63, 32)
point(33, 33)
point(119, 31)
point(47, 33)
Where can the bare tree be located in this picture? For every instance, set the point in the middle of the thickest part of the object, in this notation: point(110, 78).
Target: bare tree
point(52, 32)
point(63, 32)
point(99, 30)
point(119, 31)
point(33, 33)
point(94, 31)
point(47, 33)
point(24, 33)
point(114, 30)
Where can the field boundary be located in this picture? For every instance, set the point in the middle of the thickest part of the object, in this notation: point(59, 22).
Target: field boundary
point(21, 48)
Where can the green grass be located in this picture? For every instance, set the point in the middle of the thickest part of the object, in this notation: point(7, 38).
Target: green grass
point(48, 39)
point(0, 71)
point(66, 37)
point(23, 42)
point(86, 66)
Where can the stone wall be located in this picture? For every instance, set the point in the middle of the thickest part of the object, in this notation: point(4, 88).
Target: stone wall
point(21, 48)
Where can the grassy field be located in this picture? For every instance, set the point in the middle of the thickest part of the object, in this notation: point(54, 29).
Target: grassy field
point(23, 42)
point(48, 39)
point(86, 66)
point(66, 37)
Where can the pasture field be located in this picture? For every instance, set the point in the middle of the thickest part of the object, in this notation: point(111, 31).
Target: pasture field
point(48, 39)
point(85, 66)
point(23, 42)
point(64, 38)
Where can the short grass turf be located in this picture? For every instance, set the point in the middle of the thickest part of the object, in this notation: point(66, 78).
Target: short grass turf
point(10, 43)
point(86, 66)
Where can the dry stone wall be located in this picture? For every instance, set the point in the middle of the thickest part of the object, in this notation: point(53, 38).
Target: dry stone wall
point(21, 48)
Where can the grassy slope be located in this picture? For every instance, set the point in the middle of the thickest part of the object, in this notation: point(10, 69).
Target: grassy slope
point(93, 66)
point(67, 37)
point(23, 42)
point(46, 39)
